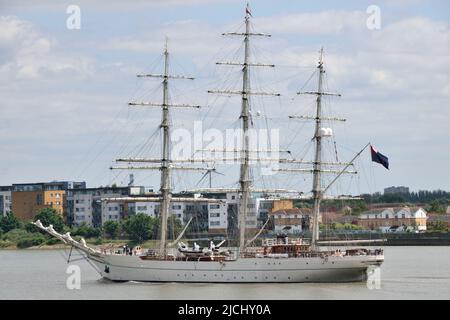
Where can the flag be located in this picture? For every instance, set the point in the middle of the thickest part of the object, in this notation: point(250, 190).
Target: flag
point(379, 158)
point(247, 10)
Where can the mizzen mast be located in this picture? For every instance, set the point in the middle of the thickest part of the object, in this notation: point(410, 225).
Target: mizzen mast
point(317, 170)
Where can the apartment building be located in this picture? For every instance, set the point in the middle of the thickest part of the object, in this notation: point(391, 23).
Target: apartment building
point(385, 218)
point(5, 200)
point(29, 198)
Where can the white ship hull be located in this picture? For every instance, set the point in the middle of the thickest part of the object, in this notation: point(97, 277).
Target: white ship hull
point(245, 270)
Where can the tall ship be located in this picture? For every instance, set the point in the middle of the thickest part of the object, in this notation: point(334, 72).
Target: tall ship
point(280, 259)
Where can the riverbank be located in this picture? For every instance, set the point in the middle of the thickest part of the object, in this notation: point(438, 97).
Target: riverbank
point(392, 239)
point(398, 239)
point(94, 243)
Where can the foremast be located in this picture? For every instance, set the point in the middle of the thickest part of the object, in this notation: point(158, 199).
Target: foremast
point(165, 164)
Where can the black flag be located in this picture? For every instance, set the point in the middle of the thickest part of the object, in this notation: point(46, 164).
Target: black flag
point(379, 158)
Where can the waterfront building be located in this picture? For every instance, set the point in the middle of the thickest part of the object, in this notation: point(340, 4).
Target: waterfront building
point(29, 198)
point(87, 205)
point(5, 200)
point(291, 221)
point(386, 218)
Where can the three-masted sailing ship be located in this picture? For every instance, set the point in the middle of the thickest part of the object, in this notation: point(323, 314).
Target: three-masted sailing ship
point(281, 259)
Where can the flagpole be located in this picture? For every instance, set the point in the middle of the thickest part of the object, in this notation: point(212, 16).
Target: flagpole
point(345, 168)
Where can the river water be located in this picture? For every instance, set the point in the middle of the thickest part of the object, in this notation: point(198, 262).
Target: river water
point(408, 273)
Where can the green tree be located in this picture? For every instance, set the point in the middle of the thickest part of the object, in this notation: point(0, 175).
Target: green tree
point(139, 227)
point(86, 231)
point(111, 229)
point(437, 206)
point(9, 222)
point(48, 217)
point(437, 226)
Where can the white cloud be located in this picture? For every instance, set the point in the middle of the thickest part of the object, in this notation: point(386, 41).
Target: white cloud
point(321, 23)
point(394, 81)
point(28, 54)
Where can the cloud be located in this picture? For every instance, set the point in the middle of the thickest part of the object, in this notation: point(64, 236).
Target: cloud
point(395, 84)
point(321, 23)
point(28, 54)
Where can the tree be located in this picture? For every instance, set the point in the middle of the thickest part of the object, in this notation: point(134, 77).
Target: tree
point(437, 206)
point(111, 229)
point(86, 231)
point(139, 227)
point(48, 217)
point(10, 222)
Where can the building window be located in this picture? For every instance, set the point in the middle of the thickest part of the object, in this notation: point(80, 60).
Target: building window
point(176, 207)
point(39, 199)
point(142, 208)
point(233, 197)
point(214, 223)
point(214, 206)
point(214, 215)
point(387, 216)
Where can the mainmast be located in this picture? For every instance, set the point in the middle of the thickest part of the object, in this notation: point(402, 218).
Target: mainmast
point(165, 189)
point(244, 176)
point(244, 179)
point(317, 194)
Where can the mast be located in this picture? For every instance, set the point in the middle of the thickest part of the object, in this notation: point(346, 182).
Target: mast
point(317, 169)
point(244, 175)
point(244, 180)
point(165, 169)
point(165, 164)
point(317, 193)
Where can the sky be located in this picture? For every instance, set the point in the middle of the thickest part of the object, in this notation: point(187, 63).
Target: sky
point(64, 92)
